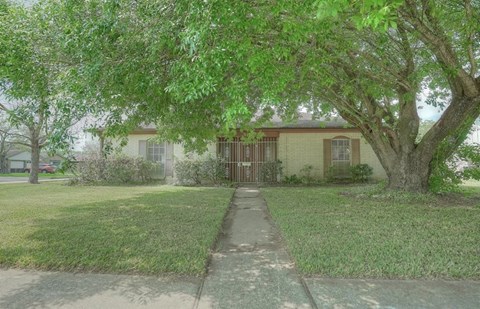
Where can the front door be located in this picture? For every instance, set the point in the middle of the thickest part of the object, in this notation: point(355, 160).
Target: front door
point(244, 161)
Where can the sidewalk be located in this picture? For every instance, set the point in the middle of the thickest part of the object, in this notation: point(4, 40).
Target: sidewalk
point(250, 269)
point(33, 289)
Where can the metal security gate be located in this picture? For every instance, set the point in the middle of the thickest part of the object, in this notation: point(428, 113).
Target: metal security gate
point(243, 162)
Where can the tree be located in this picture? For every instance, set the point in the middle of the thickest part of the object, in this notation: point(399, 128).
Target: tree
point(5, 144)
point(31, 82)
point(205, 67)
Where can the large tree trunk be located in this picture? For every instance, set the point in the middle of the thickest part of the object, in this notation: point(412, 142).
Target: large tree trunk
point(35, 150)
point(408, 172)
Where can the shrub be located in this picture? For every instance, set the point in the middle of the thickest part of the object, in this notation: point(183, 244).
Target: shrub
point(306, 174)
point(188, 172)
point(113, 170)
point(293, 179)
point(271, 171)
point(213, 170)
point(195, 172)
point(361, 172)
point(119, 170)
point(446, 176)
point(330, 174)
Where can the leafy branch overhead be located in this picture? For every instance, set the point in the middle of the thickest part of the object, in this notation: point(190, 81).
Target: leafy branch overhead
point(33, 94)
point(203, 68)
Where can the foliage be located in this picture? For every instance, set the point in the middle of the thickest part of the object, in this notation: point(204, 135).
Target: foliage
point(306, 177)
point(330, 174)
point(292, 179)
point(361, 172)
point(188, 172)
point(306, 174)
point(33, 90)
point(204, 68)
point(109, 229)
point(200, 171)
point(115, 169)
point(5, 143)
point(213, 170)
point(271, 171)
point(444, 178)
point(448, 175)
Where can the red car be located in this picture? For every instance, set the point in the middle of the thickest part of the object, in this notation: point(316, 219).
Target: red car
point(42, 168)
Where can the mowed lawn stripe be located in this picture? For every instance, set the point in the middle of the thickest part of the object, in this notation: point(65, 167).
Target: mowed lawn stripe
point(138, 229)
point(340, 236)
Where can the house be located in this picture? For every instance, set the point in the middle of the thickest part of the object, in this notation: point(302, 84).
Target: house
point(326, 146)
point(17, 160)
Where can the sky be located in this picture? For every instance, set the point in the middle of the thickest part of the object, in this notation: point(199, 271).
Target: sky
point(428, 112)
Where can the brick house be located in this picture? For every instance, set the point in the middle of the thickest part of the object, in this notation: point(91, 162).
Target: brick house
point(326, 146)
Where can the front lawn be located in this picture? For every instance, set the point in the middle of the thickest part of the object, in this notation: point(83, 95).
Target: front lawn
point(138, 229)
point(337, 232)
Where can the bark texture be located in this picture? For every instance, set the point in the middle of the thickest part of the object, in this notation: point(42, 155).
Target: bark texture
point(35, 151)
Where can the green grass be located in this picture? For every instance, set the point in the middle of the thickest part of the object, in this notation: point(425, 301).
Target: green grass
point(357, 236)
point(138, 229)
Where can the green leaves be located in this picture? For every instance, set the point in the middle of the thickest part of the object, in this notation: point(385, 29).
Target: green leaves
point(377, 14)
point(34, 75)
point(198, 69)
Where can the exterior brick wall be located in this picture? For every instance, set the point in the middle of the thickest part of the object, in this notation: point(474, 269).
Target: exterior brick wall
point(132, 147)
point(295, 150)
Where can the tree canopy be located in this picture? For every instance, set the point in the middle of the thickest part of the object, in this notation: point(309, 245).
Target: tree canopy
point(34, 94)
point(202, 68)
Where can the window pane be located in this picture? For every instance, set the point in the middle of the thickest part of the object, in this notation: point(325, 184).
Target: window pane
point(156, 152)
point(341, 157)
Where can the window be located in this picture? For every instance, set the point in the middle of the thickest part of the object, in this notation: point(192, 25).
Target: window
point(155, 152)
point(341, 157)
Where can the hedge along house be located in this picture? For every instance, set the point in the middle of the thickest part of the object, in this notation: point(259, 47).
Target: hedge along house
point(327, 148)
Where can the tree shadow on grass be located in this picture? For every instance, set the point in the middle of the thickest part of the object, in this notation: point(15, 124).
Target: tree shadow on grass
point(150, 234)
point(156, 233)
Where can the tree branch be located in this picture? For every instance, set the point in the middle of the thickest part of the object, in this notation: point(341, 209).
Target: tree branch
point(409, 121)
point(435, 38)
point(23, 144)
point(470, 42)
point(461, 112)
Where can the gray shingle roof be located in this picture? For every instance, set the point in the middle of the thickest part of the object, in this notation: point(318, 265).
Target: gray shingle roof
point(305, 120)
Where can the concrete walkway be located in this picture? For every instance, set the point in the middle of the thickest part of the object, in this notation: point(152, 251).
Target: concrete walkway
point(250, 269)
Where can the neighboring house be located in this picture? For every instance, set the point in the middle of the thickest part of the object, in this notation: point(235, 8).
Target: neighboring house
point(327, 146)
point(17, 160)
